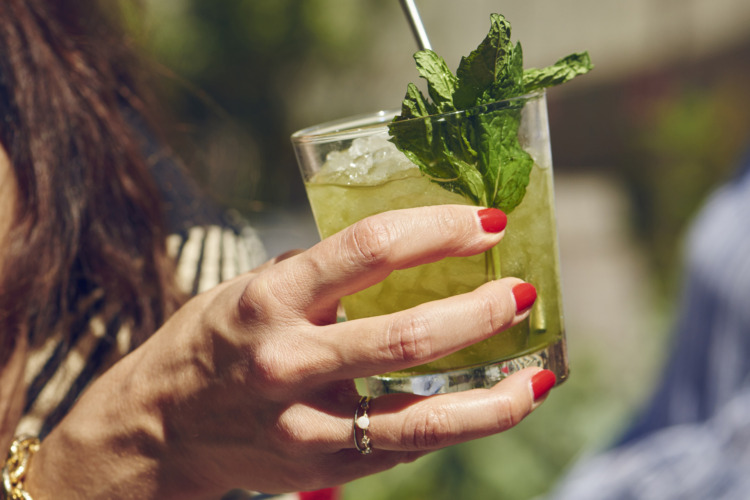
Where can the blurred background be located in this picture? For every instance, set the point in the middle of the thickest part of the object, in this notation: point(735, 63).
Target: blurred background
point(638, 144)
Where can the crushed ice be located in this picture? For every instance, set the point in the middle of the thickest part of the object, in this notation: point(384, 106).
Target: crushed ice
point(368, 160)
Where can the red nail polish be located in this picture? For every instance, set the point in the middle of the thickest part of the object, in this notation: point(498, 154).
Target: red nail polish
point(541, 383)
point(492, 220)
point(325, 494)
point(525, 295)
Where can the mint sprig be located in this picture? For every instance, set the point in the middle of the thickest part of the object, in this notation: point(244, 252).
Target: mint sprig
point(480, 157)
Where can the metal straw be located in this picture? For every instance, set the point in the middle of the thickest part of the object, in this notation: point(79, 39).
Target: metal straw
point(412, 14)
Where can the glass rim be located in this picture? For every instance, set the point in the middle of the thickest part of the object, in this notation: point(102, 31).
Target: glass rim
point(363, 124)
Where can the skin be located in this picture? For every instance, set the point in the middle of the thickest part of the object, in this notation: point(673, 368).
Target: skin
point(250, 384)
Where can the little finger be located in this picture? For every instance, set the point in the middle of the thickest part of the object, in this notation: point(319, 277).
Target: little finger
point(405, 422)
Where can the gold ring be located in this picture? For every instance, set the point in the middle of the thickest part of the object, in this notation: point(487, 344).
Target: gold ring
point(362, 422)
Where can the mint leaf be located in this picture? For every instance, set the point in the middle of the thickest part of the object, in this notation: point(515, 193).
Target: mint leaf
point(480, 69)
point(441, 153)
point(480, 155)
point(563, 70)
point(504, 164)
point(441, 84)
point(415, 105)
point(509, 83)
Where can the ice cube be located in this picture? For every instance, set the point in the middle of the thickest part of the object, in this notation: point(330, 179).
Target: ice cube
point(368, 160)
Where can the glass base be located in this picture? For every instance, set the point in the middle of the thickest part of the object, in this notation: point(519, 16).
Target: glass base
point(553, 357)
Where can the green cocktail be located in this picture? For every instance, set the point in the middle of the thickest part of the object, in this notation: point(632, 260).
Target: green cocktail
point(352, 170)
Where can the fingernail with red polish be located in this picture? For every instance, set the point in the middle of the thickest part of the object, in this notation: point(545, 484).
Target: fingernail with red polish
point(525, 295)
point(492, 220)
point(541, 383)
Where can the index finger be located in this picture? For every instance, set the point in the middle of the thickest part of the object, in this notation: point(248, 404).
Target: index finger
point(368, 251)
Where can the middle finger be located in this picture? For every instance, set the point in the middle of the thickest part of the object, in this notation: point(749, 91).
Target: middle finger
point(381, 344)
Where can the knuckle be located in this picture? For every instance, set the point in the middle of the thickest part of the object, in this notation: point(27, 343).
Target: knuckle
point(432, 429)
point(253, 302)
point(270, 339)
point(271, 370)
point(497, 314)
point(285, 366)
point(450, 223)
point(288, 434)
point(409, 339)
point(369, 241)
point(270, 296)
point(509, 412)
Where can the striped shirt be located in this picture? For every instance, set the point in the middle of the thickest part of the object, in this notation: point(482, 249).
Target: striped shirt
point(55, 377)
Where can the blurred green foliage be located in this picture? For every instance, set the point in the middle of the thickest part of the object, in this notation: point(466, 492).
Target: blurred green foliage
point(230, 67)
point(682, 142)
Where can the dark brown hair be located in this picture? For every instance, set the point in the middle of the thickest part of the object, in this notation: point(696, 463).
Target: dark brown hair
point(88, 215)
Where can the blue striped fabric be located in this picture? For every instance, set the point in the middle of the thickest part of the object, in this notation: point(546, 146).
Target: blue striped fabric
point(693, 439)
point(700, 461)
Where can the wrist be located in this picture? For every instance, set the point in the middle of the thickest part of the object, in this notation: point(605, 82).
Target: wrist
point(118, 440)
point(16, 466)
point(109, 445)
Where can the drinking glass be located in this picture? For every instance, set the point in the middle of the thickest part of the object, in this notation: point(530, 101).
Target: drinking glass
point(352, 170)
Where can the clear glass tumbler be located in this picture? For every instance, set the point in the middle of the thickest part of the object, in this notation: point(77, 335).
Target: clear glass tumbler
point(352, 170)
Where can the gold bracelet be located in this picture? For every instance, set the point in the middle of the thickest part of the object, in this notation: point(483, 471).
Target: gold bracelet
point(17, 465)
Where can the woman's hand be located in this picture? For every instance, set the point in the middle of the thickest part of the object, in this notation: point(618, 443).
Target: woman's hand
point(250, 385)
